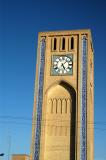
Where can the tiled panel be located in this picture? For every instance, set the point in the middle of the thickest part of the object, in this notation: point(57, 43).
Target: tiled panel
point(83, 98)
point(39, 100)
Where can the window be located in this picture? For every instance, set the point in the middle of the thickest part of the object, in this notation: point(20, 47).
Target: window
point(63, 44)
point(72, 43)
point(55, 44)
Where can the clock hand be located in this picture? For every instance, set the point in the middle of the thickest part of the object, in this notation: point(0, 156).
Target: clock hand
point(64, 62)
point(63, 65)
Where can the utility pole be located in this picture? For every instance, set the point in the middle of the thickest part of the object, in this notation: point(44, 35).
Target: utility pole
point(9, 145)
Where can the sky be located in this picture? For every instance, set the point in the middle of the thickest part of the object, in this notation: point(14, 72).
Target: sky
point(20, 22)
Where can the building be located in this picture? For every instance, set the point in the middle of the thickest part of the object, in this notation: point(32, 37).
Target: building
point(20, 157)
point(63, 114)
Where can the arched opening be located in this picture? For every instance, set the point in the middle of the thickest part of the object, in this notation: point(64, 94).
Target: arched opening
point(72, 43)
point(63, 44)
point(55, 43)
point(59, 128)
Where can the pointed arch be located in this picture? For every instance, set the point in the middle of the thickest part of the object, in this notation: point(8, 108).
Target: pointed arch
point(62, 118)
point(63, 83)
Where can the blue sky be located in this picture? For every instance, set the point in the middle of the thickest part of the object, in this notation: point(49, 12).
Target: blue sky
point(20, 22)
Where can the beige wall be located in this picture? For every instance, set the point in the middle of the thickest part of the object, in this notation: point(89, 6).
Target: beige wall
point(54, 91)
point(20, 157)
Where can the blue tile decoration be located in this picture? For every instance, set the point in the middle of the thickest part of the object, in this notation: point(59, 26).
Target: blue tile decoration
point(83, 146)
point(39, 99)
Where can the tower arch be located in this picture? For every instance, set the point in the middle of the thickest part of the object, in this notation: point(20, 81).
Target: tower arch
point(60, 116)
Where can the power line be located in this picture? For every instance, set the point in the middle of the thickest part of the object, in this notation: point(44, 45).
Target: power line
point(30, 124)
point(30, 119)
point(13, 117)
point(20, 118)
point(21, 121)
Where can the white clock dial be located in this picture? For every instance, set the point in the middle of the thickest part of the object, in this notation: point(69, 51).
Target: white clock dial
point(62, 64)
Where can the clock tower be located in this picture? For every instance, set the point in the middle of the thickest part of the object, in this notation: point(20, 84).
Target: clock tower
point(64, 97)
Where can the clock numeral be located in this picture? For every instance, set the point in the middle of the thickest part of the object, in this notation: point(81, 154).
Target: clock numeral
point(70, 66)
point(57, 59)
point(55, 63)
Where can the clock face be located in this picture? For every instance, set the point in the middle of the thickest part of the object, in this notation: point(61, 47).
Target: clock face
point(62, 65)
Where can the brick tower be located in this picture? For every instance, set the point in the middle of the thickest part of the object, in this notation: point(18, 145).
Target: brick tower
point(64, 97)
